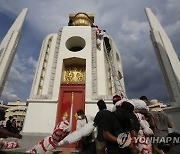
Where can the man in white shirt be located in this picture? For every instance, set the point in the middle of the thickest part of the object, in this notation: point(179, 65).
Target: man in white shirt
point(82, 119)
point(88, 143)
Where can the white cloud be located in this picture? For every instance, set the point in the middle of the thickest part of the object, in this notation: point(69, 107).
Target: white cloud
point(19, 79)
point(32, 61)
point(9, 93)
point(19, 70)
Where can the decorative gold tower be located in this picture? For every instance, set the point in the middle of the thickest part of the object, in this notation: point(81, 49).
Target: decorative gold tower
point(81, 19)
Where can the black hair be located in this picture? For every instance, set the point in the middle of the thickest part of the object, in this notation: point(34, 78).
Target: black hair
point(127, 106)
point(80, 112)
point(126, 117)
point(143, 98)
point(10, 117)
point(101, 105)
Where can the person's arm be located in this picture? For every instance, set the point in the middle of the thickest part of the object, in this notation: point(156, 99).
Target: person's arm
point(7, 133)
point(78, 125)
point(169, 122)
point(110, 137)
point(90, 118)
point(96, 120)
point(151, 120)
point(170, 125)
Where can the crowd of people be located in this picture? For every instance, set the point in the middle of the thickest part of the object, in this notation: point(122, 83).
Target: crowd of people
point(11, 125)
point(7, 132)
point(132, 126)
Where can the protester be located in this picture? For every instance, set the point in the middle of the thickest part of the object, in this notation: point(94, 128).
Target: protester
point(14, 129)
point(118, 129)
point(107, 42)
point(9, 123)
point(145, 99)
point(98, 37)
point(101, 116)
point(122, 123)
point(88, 142)
point(143, 118)
point(161, 120)
point(117, 100)
point(143, 144)
point(4, 133)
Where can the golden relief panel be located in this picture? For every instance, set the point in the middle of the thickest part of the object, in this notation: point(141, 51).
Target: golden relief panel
point(74, 74)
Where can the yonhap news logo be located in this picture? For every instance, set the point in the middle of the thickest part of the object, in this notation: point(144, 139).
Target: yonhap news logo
point(124, 139)
point(149, 140)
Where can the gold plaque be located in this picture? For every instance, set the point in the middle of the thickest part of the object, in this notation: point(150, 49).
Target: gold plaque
point(74, 74)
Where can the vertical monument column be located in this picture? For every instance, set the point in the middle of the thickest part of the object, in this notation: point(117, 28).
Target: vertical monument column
point(170, 66)
point(167, 58)
point(9, 46)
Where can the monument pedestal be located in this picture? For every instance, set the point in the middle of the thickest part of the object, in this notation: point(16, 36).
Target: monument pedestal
point(174, 115)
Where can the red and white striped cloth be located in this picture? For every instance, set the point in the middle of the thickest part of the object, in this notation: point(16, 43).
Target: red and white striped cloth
point(50, 142)
point(143, 145)
point(8, 144)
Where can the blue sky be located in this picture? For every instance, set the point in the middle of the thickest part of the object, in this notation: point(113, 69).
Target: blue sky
point(124, 20)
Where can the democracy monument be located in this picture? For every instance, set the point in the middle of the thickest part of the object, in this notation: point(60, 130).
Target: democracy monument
point(73, 72)
point(79, 65)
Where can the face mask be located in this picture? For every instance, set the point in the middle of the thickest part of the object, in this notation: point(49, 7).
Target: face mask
point(64, 118)
point(79, 117)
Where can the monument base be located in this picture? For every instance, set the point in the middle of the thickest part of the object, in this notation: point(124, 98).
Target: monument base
point(40, 117)
point(174, 115)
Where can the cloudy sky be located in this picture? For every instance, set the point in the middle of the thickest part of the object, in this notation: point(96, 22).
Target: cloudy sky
point(124, 20)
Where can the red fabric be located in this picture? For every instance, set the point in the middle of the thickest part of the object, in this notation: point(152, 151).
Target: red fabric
point(8, 144)
point(51, 142)
point(42, 145)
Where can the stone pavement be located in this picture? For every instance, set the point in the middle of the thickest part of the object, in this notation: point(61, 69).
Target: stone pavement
point(27, 142)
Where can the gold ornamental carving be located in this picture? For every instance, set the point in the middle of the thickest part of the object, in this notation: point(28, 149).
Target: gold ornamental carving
point(74, 74)
point(81, 19)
